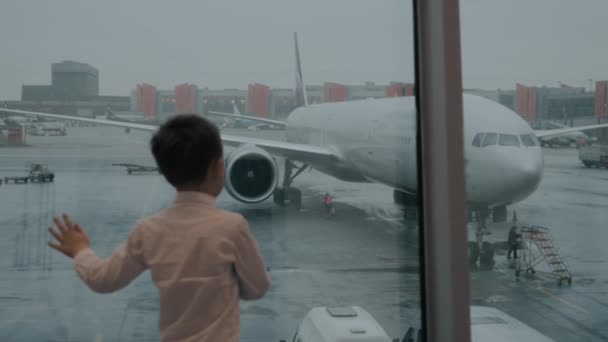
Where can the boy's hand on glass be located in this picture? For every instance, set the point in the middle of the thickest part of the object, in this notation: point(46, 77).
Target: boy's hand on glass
point(71, 237)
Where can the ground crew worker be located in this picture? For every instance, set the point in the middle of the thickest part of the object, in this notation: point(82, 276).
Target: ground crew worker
point(513, 242)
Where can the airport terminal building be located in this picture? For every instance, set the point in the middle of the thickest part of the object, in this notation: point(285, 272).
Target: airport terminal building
point(74, 90)
point(258, 99)
point(74, 80)
point(564, 103)
point(573, 105)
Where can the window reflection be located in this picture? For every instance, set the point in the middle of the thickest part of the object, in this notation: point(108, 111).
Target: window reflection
point(365, 255)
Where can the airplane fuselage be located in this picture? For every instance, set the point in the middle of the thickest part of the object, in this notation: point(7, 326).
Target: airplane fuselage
point(376, 141)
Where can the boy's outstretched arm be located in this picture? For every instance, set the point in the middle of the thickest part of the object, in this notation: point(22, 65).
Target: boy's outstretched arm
point(103, 276)
point(254, 281)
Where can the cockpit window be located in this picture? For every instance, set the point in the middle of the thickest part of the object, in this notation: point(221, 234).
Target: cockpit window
point(535, 139)
point(528, 139)
point(478, 139)
point(490, 139)
point(508, 140)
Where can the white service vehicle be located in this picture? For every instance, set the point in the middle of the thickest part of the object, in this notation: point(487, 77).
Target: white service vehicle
point(354, 324)
point(48, 129)
point(491, 324)
point(593, 155)
point(344, 324)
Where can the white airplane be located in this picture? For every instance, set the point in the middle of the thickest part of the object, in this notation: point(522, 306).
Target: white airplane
point(565, 139)
point(20, 120)
point(374, 140)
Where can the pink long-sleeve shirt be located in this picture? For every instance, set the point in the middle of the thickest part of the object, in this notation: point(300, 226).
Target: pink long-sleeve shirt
point(202, 259)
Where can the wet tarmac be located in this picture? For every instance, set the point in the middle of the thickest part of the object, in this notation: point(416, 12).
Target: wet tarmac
point(367, 255)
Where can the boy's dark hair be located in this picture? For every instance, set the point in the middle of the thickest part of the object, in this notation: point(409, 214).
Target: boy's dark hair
point(184, 147)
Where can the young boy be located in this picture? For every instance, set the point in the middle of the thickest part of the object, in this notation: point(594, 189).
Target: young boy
point(202, 259)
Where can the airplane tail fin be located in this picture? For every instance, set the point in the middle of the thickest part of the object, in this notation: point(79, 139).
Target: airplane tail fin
point(301, 98)
point(109, 112)
point(235, 109)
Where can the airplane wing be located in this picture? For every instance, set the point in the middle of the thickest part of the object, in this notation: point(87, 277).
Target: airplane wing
point(252, 118)
point(299, 152)
point(559, 131)
point(143, 127)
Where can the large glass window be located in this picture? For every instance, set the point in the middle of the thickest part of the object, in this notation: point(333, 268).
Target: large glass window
point(537, 214)
point(329, 187)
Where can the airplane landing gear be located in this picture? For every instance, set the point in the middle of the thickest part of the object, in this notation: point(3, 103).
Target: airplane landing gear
point(473, 254)
point(282, 197)
point(475, 248)
point(286, 194)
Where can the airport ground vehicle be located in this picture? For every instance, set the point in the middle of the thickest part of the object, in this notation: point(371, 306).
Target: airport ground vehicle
point(41, 173)
point(38, 173)
point(48, 129)
point(594, 155)
point(325, 324)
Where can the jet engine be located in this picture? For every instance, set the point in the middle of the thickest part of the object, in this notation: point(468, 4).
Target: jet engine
point(251, 174)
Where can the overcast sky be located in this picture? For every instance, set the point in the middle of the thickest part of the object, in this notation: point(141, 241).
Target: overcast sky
point(223, 43)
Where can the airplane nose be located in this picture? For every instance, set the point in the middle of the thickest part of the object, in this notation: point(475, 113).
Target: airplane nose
point(505, 178)
point(528, 173)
